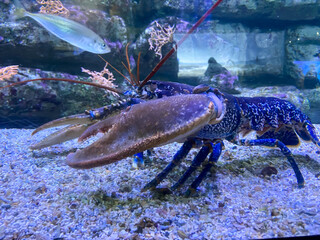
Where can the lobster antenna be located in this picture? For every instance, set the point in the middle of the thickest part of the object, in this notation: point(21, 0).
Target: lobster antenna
point(174, 48)
point(64, 80)
point(115, 69)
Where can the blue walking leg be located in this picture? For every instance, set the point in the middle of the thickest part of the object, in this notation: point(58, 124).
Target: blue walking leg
point(284, 149)
point(213, 158)
point(178, 157)
point(137, 160)
point(201, 156)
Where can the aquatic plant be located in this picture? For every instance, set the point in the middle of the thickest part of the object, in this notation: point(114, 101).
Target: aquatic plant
point(7, 72)
point(159, 36)
point(98, 77)
point(53, 7)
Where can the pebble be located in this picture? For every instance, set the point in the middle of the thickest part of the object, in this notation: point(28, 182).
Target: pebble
point(268, 171)
point(275, 212)
point(182, 234)
point(6, 206)
point(257, 189)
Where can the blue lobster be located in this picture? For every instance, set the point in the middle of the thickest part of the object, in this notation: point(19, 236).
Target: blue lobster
point(165, 112)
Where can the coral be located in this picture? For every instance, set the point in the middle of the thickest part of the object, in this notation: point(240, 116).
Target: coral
point(159, 36)
point(8, 72)
point(98, 77)
point(53, 7)
point(224, 81)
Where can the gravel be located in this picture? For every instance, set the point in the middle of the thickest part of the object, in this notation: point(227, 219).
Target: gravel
point(251, 193)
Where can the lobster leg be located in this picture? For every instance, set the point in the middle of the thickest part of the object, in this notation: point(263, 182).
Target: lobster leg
point(284, 149)
point(201, 156)
point(178, 157)
point(311, 130)
point(137, 160)
point(213, 158)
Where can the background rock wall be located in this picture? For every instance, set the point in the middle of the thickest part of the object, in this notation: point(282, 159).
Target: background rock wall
point(257, 39)
point(263, 43)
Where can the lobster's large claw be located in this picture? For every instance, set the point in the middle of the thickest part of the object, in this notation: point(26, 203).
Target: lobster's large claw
point(63, 135)
point(146, 125)
point(74, 119)
point(79, 123)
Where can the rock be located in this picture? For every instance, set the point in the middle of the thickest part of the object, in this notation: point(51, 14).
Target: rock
point(214, 68)
point(261, 11)
point(261, 43)
point(6, 206)
point(268, 171)
point(302, 64)
point(39, 102)
point(40, 190)
point(182, 234)
point(257, 189)
point(125, 188)
point(145, 223)
point(275, 212)
point(31, 45)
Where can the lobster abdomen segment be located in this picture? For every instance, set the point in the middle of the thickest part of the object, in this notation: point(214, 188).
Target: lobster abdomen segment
point(278, 119)
point(261, 111)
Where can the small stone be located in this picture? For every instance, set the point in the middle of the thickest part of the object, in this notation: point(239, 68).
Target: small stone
point(73, 205)
point(167, 222)
point(268, 171)
point(257, 189)
point(310, 212)
point(85, 177)
point(41, 190)
point(275, 212)
point(6, 206)
point(182, 234)
point(125, 188)
point(113, 194)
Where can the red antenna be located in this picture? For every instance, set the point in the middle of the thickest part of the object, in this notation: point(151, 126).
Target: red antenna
point(64, 80)
point(157, 67)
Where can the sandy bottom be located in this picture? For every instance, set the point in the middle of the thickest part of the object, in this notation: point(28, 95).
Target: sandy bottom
point(42, 198)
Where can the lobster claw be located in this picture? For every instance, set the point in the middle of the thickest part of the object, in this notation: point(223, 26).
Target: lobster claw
point(146, 125)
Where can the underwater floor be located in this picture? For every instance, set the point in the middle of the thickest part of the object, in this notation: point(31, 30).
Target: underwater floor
point(42, 198)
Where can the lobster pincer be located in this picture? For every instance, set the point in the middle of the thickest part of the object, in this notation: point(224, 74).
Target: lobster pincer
point(147, 125)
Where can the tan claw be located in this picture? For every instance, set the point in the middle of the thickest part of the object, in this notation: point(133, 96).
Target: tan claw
point(146, 125)
point(73, 119)
point(79, 123)
point(62, 135)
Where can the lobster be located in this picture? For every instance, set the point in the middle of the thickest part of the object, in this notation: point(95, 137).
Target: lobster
point(199, 116)
point(162, 112)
